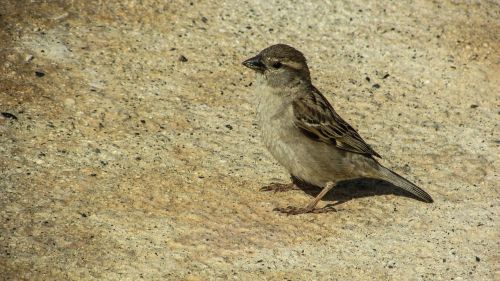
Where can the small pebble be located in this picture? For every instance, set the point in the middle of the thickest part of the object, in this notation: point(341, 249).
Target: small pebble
point(474, 106)
point(376, 86)
point(69, 102)
point(9, 115)
point(183, 59)
point(39, 73)
point(28, 58)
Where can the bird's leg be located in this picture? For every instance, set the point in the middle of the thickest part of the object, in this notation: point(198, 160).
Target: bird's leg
point(282, 187)
point(310, 208)
point(279, 187)
point(314, 202)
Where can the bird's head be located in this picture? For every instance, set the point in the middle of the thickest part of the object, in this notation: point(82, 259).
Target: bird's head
point(281, 65)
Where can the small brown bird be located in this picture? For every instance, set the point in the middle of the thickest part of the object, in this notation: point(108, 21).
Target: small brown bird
point(304, 133)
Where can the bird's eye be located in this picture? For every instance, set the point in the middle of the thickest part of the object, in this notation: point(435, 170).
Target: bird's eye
point(277, 65)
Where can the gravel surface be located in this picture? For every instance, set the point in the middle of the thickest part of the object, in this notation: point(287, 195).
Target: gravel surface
point(129, 147)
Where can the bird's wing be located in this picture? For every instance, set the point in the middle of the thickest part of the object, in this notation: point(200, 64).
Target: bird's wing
point(317, 119)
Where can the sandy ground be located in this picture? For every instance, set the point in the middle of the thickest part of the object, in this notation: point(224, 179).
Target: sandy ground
point(129, 147)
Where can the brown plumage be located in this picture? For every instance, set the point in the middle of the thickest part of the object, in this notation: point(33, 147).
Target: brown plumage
point(304, 133)
point(314, 114)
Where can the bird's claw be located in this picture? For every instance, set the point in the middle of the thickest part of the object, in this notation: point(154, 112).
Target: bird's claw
point(279, 187)
point(291, 210)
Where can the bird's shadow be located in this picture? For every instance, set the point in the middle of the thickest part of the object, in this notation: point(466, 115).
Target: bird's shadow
point(356, 188)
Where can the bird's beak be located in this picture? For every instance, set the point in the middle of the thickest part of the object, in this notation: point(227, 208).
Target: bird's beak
point(255, 63)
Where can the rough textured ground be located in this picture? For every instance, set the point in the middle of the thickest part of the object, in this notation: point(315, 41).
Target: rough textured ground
point(126, 161)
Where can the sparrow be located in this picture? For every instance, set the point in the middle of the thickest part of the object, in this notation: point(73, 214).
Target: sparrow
point(303, 132)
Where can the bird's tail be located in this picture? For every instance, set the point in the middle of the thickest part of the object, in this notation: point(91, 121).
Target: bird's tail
point(403, 183)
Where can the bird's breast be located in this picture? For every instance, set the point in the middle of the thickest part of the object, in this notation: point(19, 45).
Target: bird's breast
point(278, 133)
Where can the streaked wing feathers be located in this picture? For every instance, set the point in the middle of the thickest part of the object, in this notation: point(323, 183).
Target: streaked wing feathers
point(318, 120)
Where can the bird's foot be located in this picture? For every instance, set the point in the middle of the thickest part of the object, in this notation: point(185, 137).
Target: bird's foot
point(290, 210)
point(279, 187)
